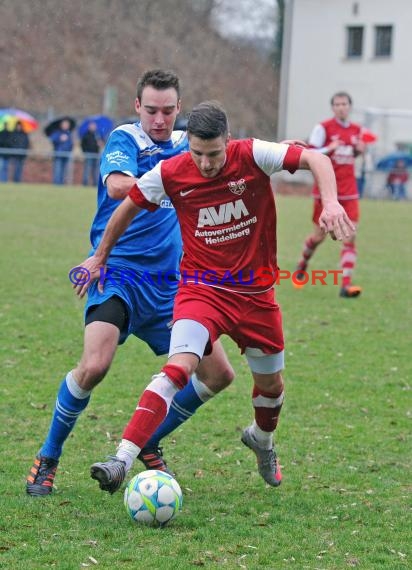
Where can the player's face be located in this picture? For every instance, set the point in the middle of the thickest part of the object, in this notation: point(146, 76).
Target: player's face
point(341, 108)
point(208, 155)
point(158, 109)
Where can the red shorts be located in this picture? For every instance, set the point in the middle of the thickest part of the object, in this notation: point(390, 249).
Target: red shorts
point(253, 321)
point(351, 207)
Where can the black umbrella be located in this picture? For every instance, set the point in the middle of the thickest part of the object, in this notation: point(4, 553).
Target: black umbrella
point(55, 124)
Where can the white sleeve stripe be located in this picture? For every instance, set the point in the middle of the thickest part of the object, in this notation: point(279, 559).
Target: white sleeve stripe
point(151, 185)
point(269, 156)
point(318, 136)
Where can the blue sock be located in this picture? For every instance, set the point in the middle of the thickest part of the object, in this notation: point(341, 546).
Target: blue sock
point(183, 406)
point(71, 401)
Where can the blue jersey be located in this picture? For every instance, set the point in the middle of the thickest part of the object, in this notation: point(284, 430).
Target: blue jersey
point(152, 242)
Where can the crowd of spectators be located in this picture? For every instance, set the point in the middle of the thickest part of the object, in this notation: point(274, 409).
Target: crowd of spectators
point(15, 144)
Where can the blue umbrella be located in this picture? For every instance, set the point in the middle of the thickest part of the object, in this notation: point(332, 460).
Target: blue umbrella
point(104, 125)
point(390, 161)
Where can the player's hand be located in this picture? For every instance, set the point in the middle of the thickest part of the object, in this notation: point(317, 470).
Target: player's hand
point(335, 221)
point(83, 275)
point(332, 146)
point(360, 148)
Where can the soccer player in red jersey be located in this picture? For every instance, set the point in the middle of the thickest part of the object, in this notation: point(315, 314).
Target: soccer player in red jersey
point(225, 205)
point(341, 140)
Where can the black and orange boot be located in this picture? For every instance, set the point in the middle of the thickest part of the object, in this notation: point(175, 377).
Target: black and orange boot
point(152, 458)
point(40, 480)
point(350, 291)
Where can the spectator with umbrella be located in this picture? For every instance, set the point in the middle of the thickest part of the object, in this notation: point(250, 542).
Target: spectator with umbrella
point(19, 142)
point(104, 126)
point(396, 165)
point(91, 144)
point(60, 135)
point(397, 180)
point(15, 124)
point(4, 152)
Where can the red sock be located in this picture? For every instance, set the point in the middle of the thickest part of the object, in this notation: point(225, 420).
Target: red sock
point(308, 250)
point(347, 262)
point(150, 412)
point(267, 408)
point(177, 374)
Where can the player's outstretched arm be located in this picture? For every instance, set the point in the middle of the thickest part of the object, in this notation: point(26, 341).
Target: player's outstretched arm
point(333, 218)
point(116, 226)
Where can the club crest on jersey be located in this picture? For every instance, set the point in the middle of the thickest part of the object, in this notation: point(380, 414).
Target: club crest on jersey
point(237, 187)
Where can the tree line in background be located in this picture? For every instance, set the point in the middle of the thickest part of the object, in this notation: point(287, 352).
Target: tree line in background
point(64, 57)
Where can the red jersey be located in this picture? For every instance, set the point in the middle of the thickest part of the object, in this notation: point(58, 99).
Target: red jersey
point(228, 223)
point(343, 157)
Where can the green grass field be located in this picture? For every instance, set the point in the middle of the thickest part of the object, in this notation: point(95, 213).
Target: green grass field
point(343, 438)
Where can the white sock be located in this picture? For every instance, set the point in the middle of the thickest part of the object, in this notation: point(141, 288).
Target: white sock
point(201, 389)
point(264, 439)
point(127, 452)
point(74, 388)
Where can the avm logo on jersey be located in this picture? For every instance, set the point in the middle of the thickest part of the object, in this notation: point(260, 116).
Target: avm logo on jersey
point(261, 277)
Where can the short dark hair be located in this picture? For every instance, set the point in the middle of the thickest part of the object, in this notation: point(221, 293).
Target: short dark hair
point(341, 94)
point(159, 79)
point(208, 120)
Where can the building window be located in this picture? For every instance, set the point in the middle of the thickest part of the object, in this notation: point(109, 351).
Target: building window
point(383, 41)
point(354, 41)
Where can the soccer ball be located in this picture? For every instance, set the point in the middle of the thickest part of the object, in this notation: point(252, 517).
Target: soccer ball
point(153, 497)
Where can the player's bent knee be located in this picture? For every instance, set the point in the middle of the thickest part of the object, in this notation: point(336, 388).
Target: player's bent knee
point(223, 374)
point(228, 376)
point(216, 377)
point(92, 371)
point(270, 383)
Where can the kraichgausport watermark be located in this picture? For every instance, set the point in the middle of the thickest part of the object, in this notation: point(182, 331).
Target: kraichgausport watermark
point(263, 277)
point(79, 275)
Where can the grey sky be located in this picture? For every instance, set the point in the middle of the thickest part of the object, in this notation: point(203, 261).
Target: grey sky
point(247, 18)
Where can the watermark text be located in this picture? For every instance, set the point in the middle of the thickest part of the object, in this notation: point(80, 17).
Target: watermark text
point(261, 277)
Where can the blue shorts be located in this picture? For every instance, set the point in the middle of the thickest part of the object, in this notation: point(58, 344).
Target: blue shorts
point(149, 305)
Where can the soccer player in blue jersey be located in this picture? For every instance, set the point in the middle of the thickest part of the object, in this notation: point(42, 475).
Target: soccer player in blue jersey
point(132, 303)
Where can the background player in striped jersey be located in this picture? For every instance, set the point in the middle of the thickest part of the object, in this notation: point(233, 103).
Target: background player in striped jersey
point(221, 186)
point(341, 140)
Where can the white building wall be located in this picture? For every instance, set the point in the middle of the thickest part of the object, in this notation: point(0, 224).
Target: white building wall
point(314, 66)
